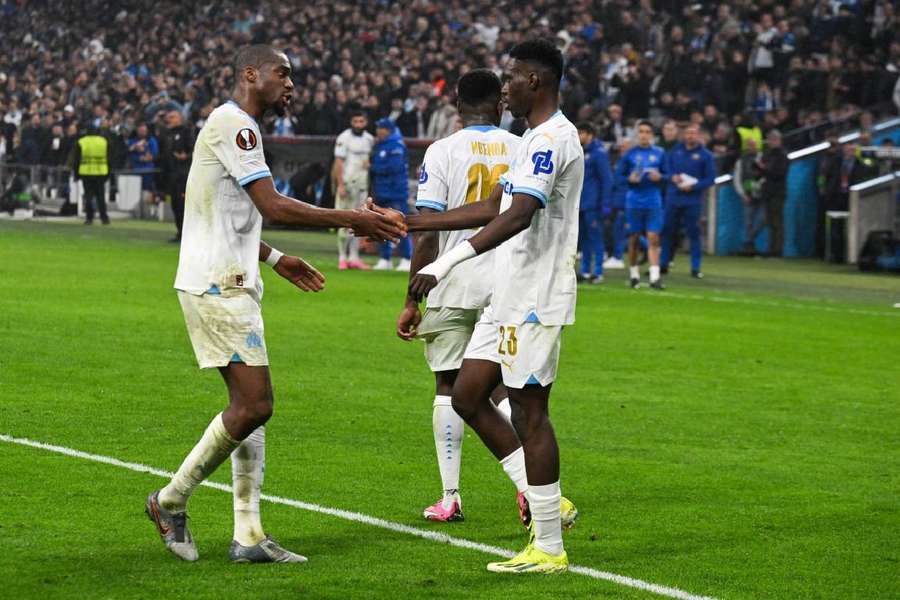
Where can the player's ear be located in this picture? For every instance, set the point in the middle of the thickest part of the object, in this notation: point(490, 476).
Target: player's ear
point(534, 80)
point(251, 74)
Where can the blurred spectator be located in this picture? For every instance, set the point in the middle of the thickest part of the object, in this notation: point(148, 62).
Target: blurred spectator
point(143, 152)
point(175, 163)
point(414, 121)
point(594, 204)
point(773, 166)
point(443, 121)
point(747, 182)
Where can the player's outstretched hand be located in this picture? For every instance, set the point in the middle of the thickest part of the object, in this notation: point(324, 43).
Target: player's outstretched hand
point(300, 273)
point(408, 322)
point(420, 285)
point(381, 224)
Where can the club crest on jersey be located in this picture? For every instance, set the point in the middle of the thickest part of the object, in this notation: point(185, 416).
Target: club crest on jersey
point(423, 175)
point(246, 139)
point(542, 162)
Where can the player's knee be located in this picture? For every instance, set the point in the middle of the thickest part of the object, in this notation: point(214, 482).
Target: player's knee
point(463, 404)
point(255, 412)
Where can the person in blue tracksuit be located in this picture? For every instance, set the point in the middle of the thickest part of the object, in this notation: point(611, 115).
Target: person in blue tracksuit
point(642, 169)
point(390, 184)
point(596, 195)
point(684, 199)
point(615, 221)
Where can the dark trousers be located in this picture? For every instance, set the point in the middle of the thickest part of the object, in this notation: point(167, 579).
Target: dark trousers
point(590, 241)
point(177, 192)
point(676, 216)
point(94, 191)
point(775, 220)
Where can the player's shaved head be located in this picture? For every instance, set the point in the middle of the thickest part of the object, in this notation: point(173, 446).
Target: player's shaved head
point(255, 56)
point(478, 87)
point(543, 54)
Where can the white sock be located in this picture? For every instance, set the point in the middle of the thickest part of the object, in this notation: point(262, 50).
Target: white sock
point(654, 273)
point(342, 235)
point(354, 247)
point(635, 272)
point(248, 467)
point(448, 435)
point(211, 451)
point(543, 500)
point(505, 409)
point(514, 465)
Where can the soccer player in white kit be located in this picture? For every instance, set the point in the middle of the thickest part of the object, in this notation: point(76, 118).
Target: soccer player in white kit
point(458, 170)
point(229, 191)
point(532, 220)
point(352, 150)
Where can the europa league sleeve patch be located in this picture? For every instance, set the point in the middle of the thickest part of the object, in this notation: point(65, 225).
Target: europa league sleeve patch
point(246, 139)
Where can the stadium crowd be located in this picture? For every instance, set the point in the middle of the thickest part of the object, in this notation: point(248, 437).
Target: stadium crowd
point(116, 64)
point(146, 75)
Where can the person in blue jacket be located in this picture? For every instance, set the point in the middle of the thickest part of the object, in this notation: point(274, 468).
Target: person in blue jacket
point(596, 195)
point(691, 170)
point(390, 184)
point(143, 152)
point(642, 169)
point(615, 221)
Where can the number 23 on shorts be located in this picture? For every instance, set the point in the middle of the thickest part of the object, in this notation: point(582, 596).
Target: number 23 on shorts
point(509, 339)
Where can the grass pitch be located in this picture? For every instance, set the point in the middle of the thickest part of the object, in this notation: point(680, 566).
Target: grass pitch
point(737, 437)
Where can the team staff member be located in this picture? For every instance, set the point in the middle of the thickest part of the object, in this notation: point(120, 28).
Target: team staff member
point(596, 195)
point(642, 169)
point(691, 171)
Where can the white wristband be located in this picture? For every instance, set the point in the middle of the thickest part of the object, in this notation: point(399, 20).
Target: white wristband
point(274, 256)
point(453, 257)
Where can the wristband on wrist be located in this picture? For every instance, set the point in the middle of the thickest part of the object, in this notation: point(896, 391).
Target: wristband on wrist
point(443, 265)
point(274, 256)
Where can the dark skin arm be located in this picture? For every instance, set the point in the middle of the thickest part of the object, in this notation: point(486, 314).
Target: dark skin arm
point(382, 225)
point(425, 250)
point(469, 216)
point(501, 228)
point(295, 269)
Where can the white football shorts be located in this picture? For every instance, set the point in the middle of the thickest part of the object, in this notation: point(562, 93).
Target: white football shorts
point(225, 328)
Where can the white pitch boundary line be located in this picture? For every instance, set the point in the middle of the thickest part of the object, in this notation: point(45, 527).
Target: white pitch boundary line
point(361, 518)
point(772, 303)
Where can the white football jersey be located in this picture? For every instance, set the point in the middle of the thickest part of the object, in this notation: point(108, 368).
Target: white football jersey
point(535, 270)
point(221, 233)
point(460, 169)
point(355, 150)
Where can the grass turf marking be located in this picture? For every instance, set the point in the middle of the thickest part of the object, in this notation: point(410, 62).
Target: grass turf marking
point(361, 518)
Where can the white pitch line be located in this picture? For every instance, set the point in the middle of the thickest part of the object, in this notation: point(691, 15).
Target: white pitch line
point(361, 518)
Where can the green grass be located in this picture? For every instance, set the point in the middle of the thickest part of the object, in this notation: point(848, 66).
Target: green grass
point(737, 437)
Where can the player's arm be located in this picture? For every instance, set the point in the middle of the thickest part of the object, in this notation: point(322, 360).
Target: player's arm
point(504, 226)
point(425, 251)
point(383, 224)
point(469, 216)
point(337, 175)
point(293, 268)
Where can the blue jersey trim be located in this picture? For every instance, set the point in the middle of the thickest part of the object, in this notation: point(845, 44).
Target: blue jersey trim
point(542, 198)
point(238, 106)
point(532, 318)
point(214, 290)
point(481, 128)
point(532, 380)
point(432, 204)
point(253, 177)
point(236, 358)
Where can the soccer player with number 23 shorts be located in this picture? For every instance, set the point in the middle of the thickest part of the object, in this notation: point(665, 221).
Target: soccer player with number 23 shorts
point(531, 218)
